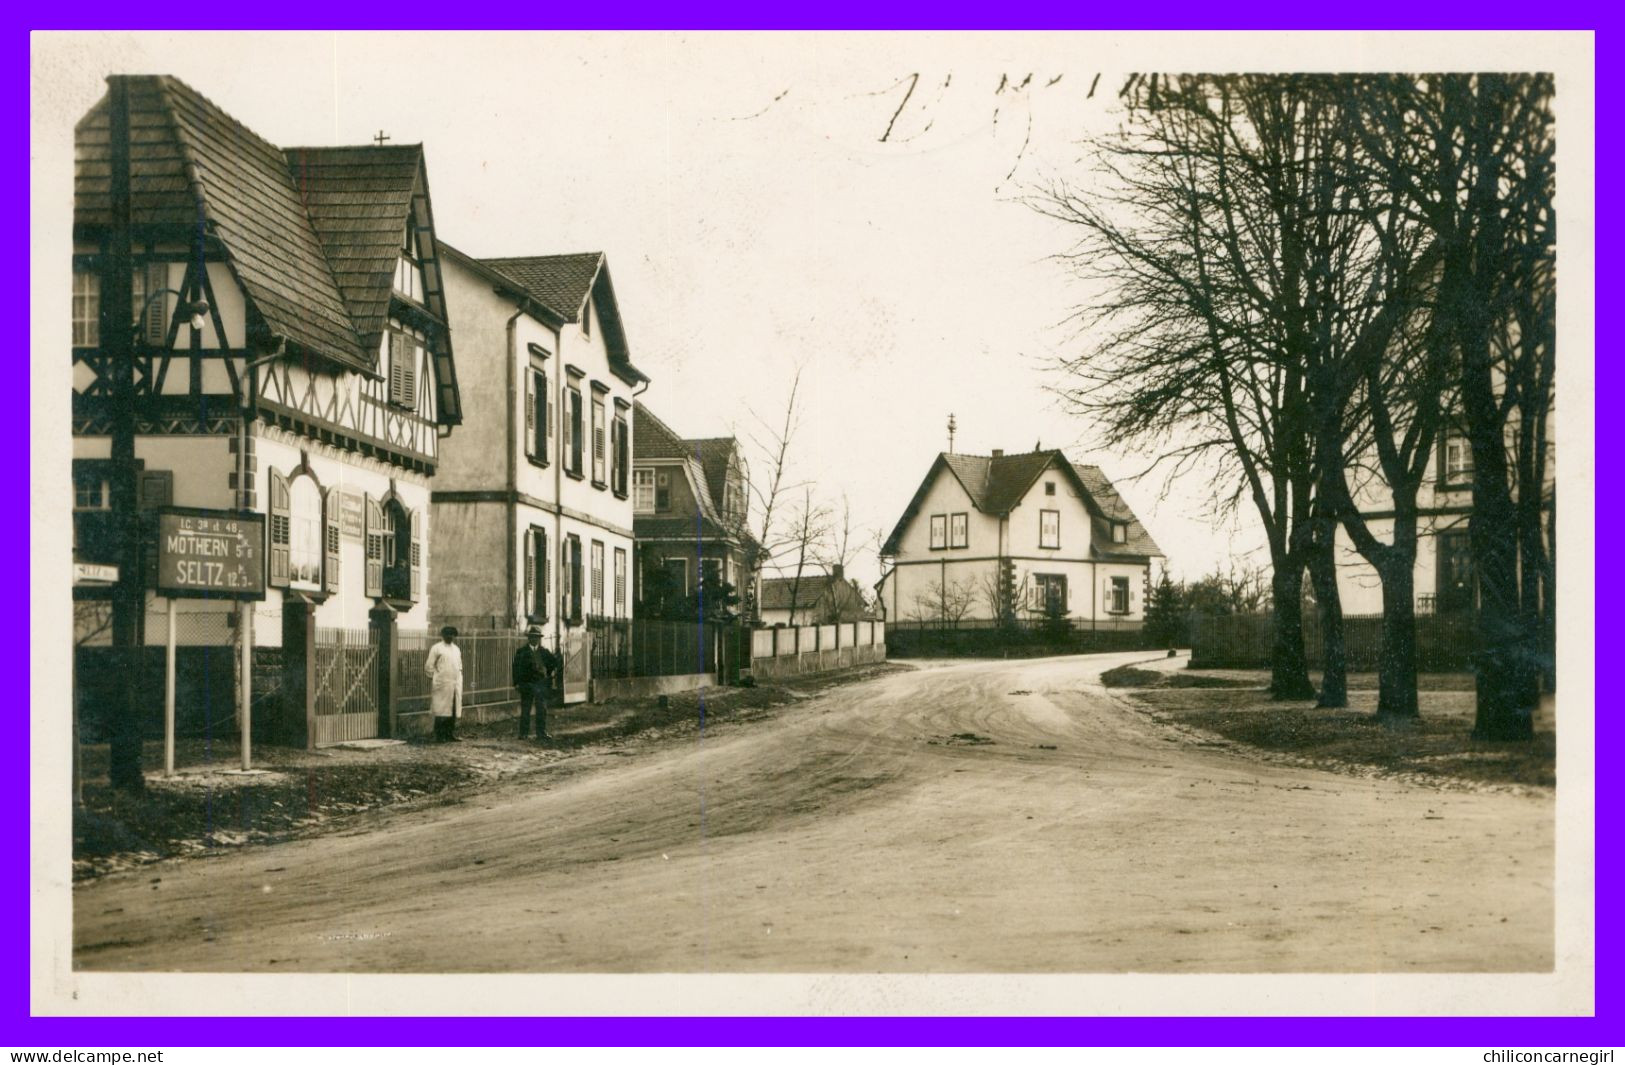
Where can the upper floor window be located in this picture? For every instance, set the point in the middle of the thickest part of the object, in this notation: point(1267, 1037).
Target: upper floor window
point(409, 267)
point(574, 431)
point(621, 453)
point(538, 403)
point(87, 304)
point(1458, 461)
point(959, 530)
point(599, 449)
point(939, 531)
point(643, 491)
point(662, 490)
point(1049, 488)
point(1049, 528)
point(1119, 533)
point(90, 487)
point(404, 352)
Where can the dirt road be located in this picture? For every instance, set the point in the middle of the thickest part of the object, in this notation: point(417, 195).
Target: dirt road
point(970, 817)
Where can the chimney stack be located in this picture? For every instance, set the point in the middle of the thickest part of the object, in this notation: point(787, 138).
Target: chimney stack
point(998, 452)
point(838, 574)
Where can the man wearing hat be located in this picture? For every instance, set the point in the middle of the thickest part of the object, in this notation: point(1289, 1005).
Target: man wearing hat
point(534, 667)
point(445, 669)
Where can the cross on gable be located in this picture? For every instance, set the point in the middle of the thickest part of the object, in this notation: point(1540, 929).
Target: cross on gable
point(380, 138)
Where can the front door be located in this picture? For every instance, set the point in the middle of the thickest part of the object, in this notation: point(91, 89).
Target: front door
point(1457, 592)
point(577, 653)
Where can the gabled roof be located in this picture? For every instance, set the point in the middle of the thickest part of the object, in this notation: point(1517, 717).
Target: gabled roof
point(775, 594)
point(192, 163)
point(563, 284)
point(653, 438)
point(706, 462)
point(312, 234)
point(714, 453)
point(996, 484)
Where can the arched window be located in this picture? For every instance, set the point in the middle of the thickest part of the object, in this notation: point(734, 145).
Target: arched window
point(397, 551)
point(305, 545)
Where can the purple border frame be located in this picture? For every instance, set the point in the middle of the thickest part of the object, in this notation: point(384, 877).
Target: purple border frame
point(20, 1029)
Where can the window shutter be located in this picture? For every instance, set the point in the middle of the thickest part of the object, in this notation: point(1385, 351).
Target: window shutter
point(156, 488)
point(156, 323)
point(280, 529)
point(528, 607)
point(531, 433)
point(374, 577)
point(548, 421)
point(420, 530)
point(410, 353)
point(330, 532)
point(577, 443)
point(396, 385)
point(545, 562)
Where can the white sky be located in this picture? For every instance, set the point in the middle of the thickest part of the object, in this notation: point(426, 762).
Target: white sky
point(753, 219)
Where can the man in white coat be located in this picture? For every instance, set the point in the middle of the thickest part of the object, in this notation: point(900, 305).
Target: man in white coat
point(445, 669)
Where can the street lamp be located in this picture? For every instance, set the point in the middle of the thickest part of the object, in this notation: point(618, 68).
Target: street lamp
point(197, 310)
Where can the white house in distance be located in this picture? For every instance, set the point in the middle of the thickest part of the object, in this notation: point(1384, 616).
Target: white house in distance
point(316, 387)
point(532, 503)
point(1027, 536)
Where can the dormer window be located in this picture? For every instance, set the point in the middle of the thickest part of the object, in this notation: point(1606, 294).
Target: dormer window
point(1119, 533)
point(409, 267)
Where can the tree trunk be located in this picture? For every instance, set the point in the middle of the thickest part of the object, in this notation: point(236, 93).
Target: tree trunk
point(1509, 645)
point(1333, 649)
point(1289, 671)
point(1396, 662)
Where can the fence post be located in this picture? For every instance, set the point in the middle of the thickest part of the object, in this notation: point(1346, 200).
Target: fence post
point(381, 619)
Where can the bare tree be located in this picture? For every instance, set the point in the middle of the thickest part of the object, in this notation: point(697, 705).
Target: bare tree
point(945, 602)
point(769, 496)
point(806, 538)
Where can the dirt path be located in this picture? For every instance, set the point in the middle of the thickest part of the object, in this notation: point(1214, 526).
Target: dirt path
point(876, 828)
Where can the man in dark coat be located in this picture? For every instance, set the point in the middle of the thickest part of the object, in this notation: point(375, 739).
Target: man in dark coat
point(534, 668)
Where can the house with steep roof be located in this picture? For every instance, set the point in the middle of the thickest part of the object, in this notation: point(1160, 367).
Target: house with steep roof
point(532, 504)
point(690, 500)
point(292, 356)
point(1011, 537)
point(812, 599)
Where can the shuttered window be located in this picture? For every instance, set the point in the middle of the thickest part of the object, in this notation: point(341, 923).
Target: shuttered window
point(404, 353)
point(597, 578)
point(598, 448)
point(330, 564)
point(537, 572)
point(281, 529)
point(375, 534)
point(536, 419)
point(620, 582)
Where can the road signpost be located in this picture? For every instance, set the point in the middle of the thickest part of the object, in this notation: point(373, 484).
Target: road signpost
point(209, 554)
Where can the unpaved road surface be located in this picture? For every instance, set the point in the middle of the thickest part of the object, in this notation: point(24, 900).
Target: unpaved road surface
point(981, 816)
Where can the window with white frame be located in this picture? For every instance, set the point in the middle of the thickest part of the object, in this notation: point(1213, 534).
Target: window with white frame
point(574, 431)
point(304, 532)
point(643, 491)
point(1049, 528)
point(87, 303)
point(621, 451)
point(87, 307)
point(939, 531)
point(959, 530)
point(1049, 594)
point(1119, 533)
point(599, 456)
point(1117, 595)
point(1458, 460)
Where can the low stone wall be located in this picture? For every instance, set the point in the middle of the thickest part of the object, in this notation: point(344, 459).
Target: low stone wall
point(604, 688)
point(782, 666)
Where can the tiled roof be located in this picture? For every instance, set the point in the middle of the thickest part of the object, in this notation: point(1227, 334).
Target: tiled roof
point(714, 454)
point(653, 438)
point(677, 528)
point(358, 199)
point(1107, 507)
point(191, 163)
point(775, 593)
point(561, 282)
point(997, 483)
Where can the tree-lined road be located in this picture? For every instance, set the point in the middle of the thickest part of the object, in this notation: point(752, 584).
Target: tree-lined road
point(981, 816)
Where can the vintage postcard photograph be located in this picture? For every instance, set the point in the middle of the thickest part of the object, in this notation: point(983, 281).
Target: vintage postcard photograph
point(812, 523)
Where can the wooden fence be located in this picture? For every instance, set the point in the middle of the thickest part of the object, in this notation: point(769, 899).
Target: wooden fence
point(1444, 642)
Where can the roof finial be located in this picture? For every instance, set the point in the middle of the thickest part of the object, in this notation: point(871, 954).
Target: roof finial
point(1040, 445)
point(380, 138)
point(952, 425)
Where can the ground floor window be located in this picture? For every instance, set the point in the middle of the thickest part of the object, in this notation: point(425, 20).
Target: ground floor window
point(620, 582)
point(1049, 594)
point(1456, 584)
point(597, 578)
point(1117, 595)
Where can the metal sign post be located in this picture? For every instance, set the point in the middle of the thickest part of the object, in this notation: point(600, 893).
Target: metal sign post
point(245, 629)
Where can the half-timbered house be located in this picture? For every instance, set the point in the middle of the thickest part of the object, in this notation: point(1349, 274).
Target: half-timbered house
point(292, 357)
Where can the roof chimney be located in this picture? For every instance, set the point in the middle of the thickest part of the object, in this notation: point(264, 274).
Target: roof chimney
point(838, 574)
point(998, 452)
